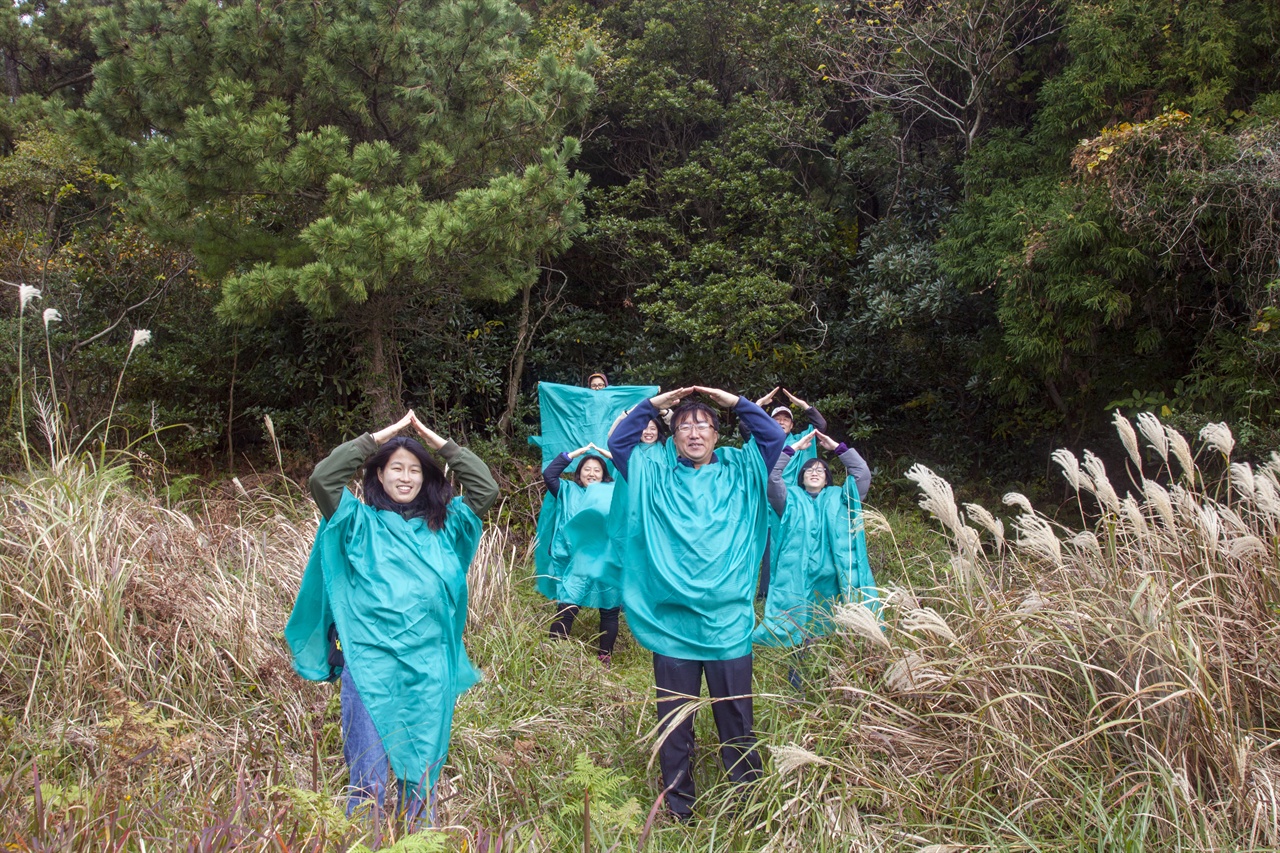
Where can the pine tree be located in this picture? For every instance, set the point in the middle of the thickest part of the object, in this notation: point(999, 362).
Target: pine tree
point(346, 154)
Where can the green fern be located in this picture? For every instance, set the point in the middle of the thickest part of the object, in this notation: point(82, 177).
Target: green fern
point(427, 841)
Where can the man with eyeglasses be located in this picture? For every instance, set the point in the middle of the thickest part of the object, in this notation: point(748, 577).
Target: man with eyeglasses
point(692, 542)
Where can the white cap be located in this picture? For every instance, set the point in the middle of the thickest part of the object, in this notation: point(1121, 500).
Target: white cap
point(786, 409)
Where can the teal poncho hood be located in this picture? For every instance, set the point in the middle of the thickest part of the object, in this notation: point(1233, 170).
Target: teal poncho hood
point(397, 592)
point(819, 558)
point(572, 417)
point(690, 541)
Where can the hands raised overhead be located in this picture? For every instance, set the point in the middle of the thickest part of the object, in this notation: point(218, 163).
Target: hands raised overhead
point(668, 399)
point(827, 442)
point(429, 437)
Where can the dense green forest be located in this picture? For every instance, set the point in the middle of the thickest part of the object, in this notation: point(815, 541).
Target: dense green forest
point(967, 229)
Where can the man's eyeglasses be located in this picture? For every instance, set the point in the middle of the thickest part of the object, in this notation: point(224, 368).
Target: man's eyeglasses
point(700, 426)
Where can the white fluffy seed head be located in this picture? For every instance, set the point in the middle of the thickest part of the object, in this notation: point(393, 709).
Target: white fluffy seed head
point(1210, 527)
point(938, 499)
point(1246, 548)
point(141, 337)
point(51, 315)
point(1218, 437)
point(1033, 603)
point(1132, 513)
point(1102, 488)
point(1020, 501)
point(1036, 536)
point(1128, 438)
point(989, 522)
point(1182, 451)
point(789, 758)
point(1070, 468)
point(1086, 543)
point(911, 674)
point(902, 598)
point(26, 293)
point(1153, 431)
point(1158, 499)
point(859, 619)
point(1242, 480)
point(929, 621)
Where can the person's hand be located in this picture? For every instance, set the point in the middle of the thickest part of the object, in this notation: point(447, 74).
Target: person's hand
point(432, 439)
point(668, 399)
point(606, 454)
point(574, 454)
point(804, 443)
point(827, 442)
point(720, 398)
point(764, 401)
point(795, 401)
point(385, 434)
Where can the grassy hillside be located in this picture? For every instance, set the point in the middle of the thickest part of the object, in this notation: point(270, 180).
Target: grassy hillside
point(1107, 684)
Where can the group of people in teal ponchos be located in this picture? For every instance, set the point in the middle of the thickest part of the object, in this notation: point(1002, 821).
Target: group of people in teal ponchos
point(657, 521)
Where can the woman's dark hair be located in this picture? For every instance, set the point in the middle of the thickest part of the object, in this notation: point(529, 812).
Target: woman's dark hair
point(577, 472)
point(431, 503)
point(809, 464)
point(686, 411)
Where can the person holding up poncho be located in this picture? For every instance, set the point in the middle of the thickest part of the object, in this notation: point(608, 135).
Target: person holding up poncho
point(386, 584)
point(690, 546)
point(583, 566)
point(819, 544)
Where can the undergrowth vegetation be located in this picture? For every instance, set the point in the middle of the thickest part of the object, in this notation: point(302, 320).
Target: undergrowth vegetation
point(1108, 681)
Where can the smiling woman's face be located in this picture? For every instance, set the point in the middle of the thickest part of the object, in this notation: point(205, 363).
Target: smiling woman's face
point(650, 434)
point(591, 472)
point(401, 477)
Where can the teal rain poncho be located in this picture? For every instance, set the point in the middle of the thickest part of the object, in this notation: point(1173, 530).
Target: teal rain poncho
point(819, 558)
point(397, 592)
point(690, 540)
point(582, 568)
point(801, 456)
point(572, 417)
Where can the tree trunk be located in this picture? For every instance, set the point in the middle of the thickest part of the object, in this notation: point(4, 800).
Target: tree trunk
point(381, 379)
point(515, 371)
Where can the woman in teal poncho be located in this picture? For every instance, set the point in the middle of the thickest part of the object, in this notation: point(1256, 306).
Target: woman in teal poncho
point(819, 545)
point(386, 584)
point(582, 565)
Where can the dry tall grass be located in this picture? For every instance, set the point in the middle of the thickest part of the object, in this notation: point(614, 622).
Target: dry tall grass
point(1109, 683)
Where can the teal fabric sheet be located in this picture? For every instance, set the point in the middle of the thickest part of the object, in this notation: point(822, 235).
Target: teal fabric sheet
point(819, 558)
point(583, 565)
point(573, 417)
point(690, 541)
point(397, 592)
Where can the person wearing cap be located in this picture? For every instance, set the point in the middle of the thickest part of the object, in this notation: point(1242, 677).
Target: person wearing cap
point(597, 382)
point(691, 547)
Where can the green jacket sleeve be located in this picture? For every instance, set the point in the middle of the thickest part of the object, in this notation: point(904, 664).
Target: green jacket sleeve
point(479, 489)
point(332, 473)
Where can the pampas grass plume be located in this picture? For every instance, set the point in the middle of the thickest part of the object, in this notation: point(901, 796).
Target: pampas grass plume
point(928, 620)
point(1128, 438)
point(1153, 431)
point(993, 525)
point(938, 498)
point(1218, 437)
point(789, 757)
point(859, 619)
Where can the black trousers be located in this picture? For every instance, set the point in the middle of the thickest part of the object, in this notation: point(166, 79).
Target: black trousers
point(680, 680)
point(563, 624)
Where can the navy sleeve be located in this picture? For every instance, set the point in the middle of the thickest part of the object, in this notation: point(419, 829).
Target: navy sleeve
point(551, 474)
point(769, 436)
point(626, 435)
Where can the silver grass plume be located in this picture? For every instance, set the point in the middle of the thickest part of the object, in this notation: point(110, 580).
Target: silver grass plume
point(1071, 469)
point(26, 293)
point(911, 674)
point(1267, 494)
point(1036, 536)
point(1210, 527)
point(790, 757)
point(1133, 514)
point(964, 568)
point(859, 619)
point(1102, 488)
point(928, 620)
point(1242, 480)
point(1020, 501)
point(875, 522)
point(902, 598)
point(1158, 499)
point(989, 522)
point(1086, 543)
point(1247, 548)
point(1153, 431)
point(1128, 437)
point(1182, 451)
point(1031, 604)
point(938, 498)
point(1218, 437)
